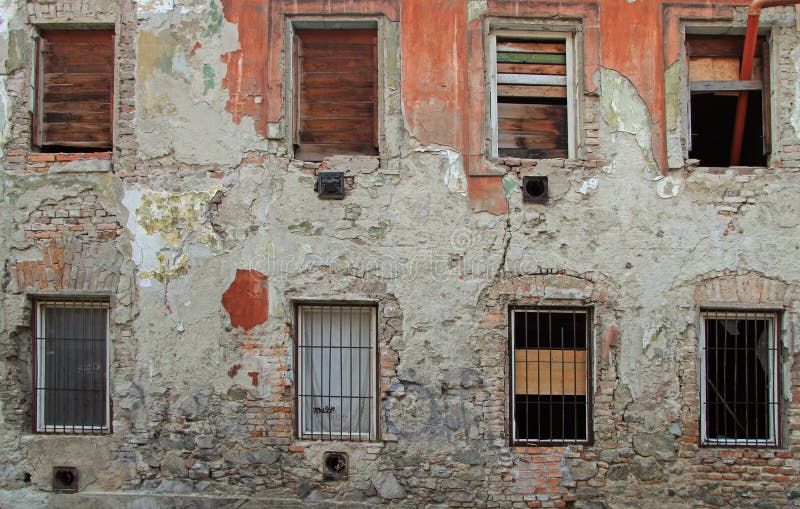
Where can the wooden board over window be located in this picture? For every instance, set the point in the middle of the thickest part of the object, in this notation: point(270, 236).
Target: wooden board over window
point(531, 95)
point(539, 372)
point(74, 89)
point(335, 97)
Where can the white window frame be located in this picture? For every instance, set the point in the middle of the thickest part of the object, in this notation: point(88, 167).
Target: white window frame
point(773, 406)
point(41, 359)
point(372, 367)
point(589, 378)
point(572, 81)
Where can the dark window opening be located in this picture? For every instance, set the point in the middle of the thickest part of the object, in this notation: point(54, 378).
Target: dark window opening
point(71, 367)
point(531, 98)
point(74, 93)
point(712, 121)
point(713, 73)
point(335, 93)
point(740, 404)
point(551, 382)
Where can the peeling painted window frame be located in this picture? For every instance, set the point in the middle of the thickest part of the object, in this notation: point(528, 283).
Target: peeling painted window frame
point(373, 433)
point(572, 38)
point(773, 412)
point(316, 22)
point(590, 369)
point(39, 327)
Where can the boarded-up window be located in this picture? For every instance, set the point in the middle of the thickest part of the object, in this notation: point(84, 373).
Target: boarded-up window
point(532, 98)
point(714, 85)
point(74, 90)
point(550, 364)
point(335, 96)
point(71, 352)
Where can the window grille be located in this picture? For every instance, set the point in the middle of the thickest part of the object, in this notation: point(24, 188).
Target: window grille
point(739, 369)
point(337, 372)
point(71, 367)
point(550, 375)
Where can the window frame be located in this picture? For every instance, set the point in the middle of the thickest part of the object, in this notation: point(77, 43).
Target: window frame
point(589, 404)
point(773, 412)
point(38, 339)
point(373, 434)
point(291, 78)
point(571, 38)
point(766, 89)
point(37, 106)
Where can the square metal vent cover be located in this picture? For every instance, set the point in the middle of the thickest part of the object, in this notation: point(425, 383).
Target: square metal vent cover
point(65, 479)
point(535, 189)
point(330, 185)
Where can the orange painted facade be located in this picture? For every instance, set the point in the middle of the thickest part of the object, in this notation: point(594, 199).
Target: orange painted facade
point(443, 62)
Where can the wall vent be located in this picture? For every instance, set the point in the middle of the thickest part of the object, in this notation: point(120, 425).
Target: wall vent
point(534, 189)
point(335, 466)
point(330, 185)
point(65, 479)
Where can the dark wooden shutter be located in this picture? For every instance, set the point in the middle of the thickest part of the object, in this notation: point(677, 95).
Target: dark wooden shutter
point(75, 89)
point(532, 98)
point(335, 93)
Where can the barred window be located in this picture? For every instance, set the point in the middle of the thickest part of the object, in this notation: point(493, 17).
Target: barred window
point(550, 379)
point(739, 369)
point(71, 366)
point(337, 372)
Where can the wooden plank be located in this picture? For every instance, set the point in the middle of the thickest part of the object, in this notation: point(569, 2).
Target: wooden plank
point(531, 79)
point(523, 153)
point(717, 46)
point(72, 106)
point(78, 79)
point(532, 46)
point(543, 141)
point(724, 86)
point(337, 80)
point(526, 126)
point(336, 36)
point(532, 69)
point(73, 132)
point(337, 63)
point(554, 372)
point(77, 116)
point(360, 51)
point(61, 94)
point(361, 127)
point(339, 110)
point(713, 69)
point(319, 151)
point(530, 91)
point(531, 58)
point(532, 111)
point(100, 36)
point(357, 133)
point(337, 94)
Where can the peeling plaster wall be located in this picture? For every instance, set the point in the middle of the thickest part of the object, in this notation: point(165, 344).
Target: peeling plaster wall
point(206, 233)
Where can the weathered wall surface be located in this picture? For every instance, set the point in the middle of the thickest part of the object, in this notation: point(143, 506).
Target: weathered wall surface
point(204, 231)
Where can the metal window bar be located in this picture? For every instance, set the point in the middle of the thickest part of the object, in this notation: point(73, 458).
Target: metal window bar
point(550, 375)
point(739, 368)
point(336, 345)
point(71, 366)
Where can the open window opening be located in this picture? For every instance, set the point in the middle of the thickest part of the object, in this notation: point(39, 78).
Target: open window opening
point(714, 86)
point(74, 91)
point(335, 105)
point(740, 370)
point(533, 95)
point(550, 388)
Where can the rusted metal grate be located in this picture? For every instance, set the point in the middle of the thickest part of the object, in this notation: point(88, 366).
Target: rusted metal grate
point(337, 372)
point(739, 369)
point(71, 367)
point(550, 375)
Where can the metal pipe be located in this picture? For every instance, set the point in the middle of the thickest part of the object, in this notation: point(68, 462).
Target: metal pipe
point(746, 71)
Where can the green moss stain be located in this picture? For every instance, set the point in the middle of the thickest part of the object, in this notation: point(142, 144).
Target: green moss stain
point(379, 230)
point(672, 79)
point(208, 78)
point(16, 50)
point(303, 227)
point(166, 270)
point(178, 217)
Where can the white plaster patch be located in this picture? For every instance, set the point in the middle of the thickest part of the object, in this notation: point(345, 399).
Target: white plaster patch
point(668, 187)
point(146, 8)
point(795, 120)
point(625, 111)
point(454, 177)
point(589, 185)
point(6, 107)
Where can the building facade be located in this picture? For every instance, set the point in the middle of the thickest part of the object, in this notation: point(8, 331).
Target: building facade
point(464, 253)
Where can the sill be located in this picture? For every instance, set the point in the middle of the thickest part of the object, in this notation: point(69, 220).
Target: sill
point(728, 170)
point(314, 154)
point(69, 162)
point(739, 444)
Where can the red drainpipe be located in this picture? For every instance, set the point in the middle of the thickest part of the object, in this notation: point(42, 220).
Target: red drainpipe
point(746, 72)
